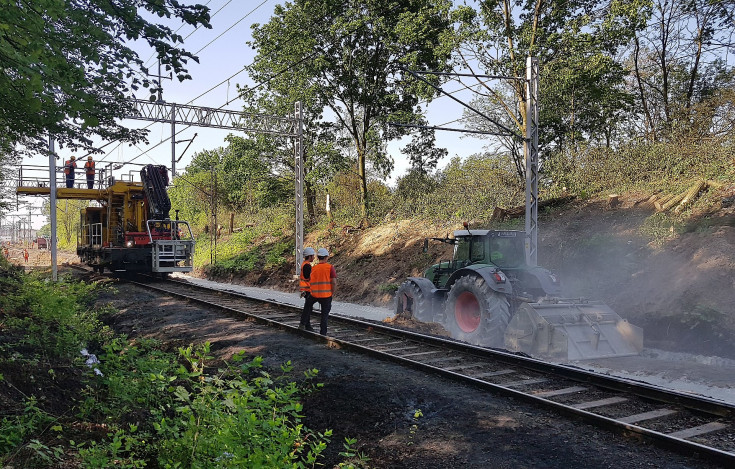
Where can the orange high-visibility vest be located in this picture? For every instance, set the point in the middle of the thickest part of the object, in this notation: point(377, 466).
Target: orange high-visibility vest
point(321, 282)
point(89, 166)
point(69, 165)
point(303, 283)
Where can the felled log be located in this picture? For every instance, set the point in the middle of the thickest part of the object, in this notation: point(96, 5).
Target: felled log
point(690, 195)
point(673, 201)
point(654, 197)
point(659, 203)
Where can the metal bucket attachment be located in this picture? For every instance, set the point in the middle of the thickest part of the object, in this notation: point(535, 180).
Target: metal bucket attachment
point(568, 331)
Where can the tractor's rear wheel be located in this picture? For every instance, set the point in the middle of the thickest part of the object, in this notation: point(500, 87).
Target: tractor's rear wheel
point(475, 313)
point(410, 302)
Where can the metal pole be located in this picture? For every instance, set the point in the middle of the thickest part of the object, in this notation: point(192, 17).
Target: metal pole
point(52, 191)
point(530, 152)
point(299, 169)
point(173, 139)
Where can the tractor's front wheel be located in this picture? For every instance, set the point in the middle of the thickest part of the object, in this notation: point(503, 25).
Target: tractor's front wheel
point(475, 313)
point(410, 302)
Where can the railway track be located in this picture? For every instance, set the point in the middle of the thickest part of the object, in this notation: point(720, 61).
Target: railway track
point(687, 424)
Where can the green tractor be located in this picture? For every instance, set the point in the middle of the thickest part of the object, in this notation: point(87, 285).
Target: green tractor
point(488, 295)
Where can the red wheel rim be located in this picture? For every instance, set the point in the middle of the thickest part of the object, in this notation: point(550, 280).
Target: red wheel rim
point(467, 312)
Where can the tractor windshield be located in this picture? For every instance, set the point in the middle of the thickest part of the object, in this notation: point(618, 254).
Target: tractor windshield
point(507, 252)
point(469, 249)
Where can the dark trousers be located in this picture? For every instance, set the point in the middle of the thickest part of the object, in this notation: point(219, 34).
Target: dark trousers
point(90, 181)
point(69, 181)
point(326, 306)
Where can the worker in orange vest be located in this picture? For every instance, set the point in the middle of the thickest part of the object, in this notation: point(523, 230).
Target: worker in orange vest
point(69, 167)
point(89, 171)
point(323, 283)
point(25, 255)
point(304, 286)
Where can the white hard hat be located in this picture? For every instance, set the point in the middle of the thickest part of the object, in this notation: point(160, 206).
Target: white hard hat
point(309, 252)
point(322, 252)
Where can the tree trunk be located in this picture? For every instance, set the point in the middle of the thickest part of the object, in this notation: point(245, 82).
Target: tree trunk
point(363, 182)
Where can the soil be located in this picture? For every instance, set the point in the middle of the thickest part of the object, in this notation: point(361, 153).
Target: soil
point(376, 402)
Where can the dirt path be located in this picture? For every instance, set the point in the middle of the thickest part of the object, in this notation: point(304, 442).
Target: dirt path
point(375, 401)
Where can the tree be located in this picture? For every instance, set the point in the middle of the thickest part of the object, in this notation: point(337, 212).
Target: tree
point(352, 54)
point(422, 151)
point(677, 63)
point(575, 41)
point(67, 69)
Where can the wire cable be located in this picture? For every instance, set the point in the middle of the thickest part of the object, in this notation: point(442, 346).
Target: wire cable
point(235, 24)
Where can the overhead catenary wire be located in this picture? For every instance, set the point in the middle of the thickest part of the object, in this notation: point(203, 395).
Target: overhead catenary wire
point(228, 29)
point(200, 50)
point(192, 32)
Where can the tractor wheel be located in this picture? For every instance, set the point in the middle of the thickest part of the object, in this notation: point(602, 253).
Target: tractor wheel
point(412, 302)
point(475, 313)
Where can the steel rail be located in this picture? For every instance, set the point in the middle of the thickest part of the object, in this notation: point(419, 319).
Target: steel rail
point(369, 338)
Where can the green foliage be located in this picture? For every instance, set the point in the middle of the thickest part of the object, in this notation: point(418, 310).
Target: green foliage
point(229, 420)
point(17, 429)
point(354, 458)
point(581, 94)
point(594, 170)
point(660, 227)
point(389, 288)
point(52, 317)
point(262, 244)
point(356, 71)
point(467, 189)
point(121, 450)
point(417, 414)
point(142, 406)
point(275, 256)
point(68, 68)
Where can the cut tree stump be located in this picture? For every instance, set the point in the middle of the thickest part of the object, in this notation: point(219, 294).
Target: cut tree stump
point(613, 200)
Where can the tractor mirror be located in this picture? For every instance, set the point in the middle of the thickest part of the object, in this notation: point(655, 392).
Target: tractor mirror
point(426, 244)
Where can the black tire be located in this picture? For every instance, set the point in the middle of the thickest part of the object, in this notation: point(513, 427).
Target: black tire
point(410, 301)
point(476, 314)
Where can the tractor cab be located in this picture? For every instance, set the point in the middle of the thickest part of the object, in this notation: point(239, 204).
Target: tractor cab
point(503, 249)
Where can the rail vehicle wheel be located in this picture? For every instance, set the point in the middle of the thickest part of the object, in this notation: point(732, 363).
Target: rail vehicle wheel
point(476, 314)
point(410, 301)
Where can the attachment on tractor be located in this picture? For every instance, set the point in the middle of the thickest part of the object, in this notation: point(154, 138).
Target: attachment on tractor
point(572, 330)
